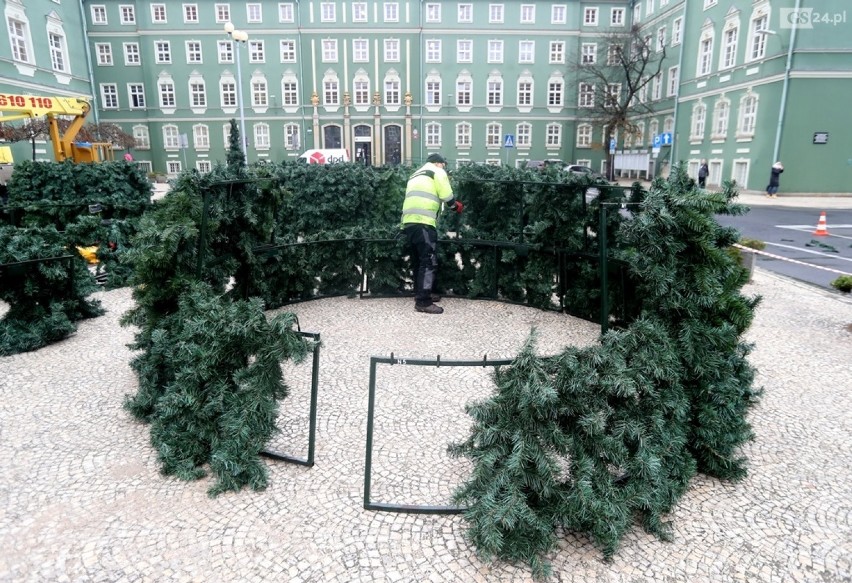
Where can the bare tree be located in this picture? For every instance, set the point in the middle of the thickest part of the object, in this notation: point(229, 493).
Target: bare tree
point(38, 129)
point(31, 130)
point(613, 87)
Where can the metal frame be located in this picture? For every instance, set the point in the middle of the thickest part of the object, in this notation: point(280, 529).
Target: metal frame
point(312, 425)
point(371, 410)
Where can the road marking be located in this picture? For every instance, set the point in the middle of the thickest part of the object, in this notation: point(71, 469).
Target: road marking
point(810, 228)
point(795, 260)
point(812, 252)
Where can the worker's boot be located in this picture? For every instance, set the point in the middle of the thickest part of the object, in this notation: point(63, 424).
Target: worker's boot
point(430, 309)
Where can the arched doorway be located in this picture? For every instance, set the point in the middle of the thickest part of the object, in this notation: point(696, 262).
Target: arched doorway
point(393, 145)
point(332, 137)
point(363, 135)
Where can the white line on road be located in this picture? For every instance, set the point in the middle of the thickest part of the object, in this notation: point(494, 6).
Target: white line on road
point(792, 260)
point(810, 228)
point(812, 252)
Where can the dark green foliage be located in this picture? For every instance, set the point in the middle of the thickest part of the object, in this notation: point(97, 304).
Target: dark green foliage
point(218, 382)
point(597, 438)
point(46, 298)
point(236, 158)
point(843, 283)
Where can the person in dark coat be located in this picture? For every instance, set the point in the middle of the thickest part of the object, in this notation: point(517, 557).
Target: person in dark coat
point(703, 172)
point(774, 180)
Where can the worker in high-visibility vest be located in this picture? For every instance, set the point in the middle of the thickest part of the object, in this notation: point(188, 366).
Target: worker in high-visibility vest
point(427, 189)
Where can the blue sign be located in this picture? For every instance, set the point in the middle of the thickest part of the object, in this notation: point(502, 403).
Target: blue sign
point(612, 146)
point(510, 141)
point(658, 141)
point(666, 138)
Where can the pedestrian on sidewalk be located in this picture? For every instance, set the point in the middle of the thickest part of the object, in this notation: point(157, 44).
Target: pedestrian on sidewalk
point(427, 188)
point(774, 180)
point(703, 172)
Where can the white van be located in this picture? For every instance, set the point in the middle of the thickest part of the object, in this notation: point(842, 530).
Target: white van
point(326, 156)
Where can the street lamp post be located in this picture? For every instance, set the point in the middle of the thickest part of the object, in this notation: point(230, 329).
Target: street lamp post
point(240, 36)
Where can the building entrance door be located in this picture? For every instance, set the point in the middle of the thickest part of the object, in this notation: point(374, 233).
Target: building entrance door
point(393, 145)
point(364, 145)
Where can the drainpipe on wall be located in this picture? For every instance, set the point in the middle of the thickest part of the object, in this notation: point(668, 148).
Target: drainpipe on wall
point(95, 106)
point(421, 85)
point(673, 158)
point(303, 137)
point(782, 110)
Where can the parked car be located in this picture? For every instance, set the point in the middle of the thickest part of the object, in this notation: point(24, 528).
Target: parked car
point(585, 171)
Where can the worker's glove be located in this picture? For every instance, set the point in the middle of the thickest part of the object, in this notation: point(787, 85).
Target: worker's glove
point(459, 207)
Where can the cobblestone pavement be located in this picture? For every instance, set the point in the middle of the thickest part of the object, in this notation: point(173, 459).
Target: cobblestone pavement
point(81, 498)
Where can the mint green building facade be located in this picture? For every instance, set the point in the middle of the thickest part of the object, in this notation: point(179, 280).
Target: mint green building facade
point(743, 82)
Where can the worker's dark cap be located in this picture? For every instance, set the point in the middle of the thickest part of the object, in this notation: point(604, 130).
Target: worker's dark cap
point(436, 159)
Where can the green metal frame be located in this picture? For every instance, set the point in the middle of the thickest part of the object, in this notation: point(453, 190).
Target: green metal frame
point(312, 424)
point(371, 411)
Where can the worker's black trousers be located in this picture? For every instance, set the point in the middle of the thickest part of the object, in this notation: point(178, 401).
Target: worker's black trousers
point(423, 241)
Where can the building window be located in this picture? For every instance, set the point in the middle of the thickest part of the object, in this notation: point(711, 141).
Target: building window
point(360, 50)
point(137, 95)
point(657, 91)
point(464, 92)
point(465, 13)
point(359, 12)
point(493, 133)
point(613, 94)
point(433, 12)
point(391, 50)
point(103, 52)
point(291, 137)
point(99, 14)
point(167, 94)
point(525, 92)
point(290, 92)
point(759, 24)
point(392, 91)
point(654, 129)
point(286, 14)
point(174, 167)
point(674, 81)
point(523, 135)
point(142, 137)
point(197, 93)
point(709, 3)
point(464, 51)
point(287, 51)
point(190, 13)
point(668, 125)
point(163, 52)
point(613, 55)
point(721, 114)
point(433, 135)
point(433, 92)
point(463, 135)
point(589, 53)
point(361, 92)
point(259, 93)
point(584, 136)
point(261, 136)
point(494, 92)
point(58, 60)
point(171, 137)
point(391, 12)
point(254, 13)
point(201, 137)
point(729, 47)
point(748, 116)
point(131, 54)
point(587, 95)
point(328, 12)
point(554, 135)
point(527, 13)
point(699, 116)
point(257, 52)
point(705, 53)
point(21, 41)
point(433, 51)
point(649, 7)
point(223, 13)
point(193, 52)
point(557, 52)
point(331, 92)
point(677, 31)
point(590, 16)
point(617, 17)
point(740, 174)
point(495, 51)
point(228, 93)
point(554, 93)
point(661, 39)
point(109, 95)
point(526, 52)
point(495, 13)
point(204, 166)
point(558, 14)
point(158, 13)
point(226, 51)
point(127, 14)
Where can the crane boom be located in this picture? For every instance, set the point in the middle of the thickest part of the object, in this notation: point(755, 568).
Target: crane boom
point(14, 107)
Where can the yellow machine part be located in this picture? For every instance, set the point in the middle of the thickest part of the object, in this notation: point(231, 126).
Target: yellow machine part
point(90, 254)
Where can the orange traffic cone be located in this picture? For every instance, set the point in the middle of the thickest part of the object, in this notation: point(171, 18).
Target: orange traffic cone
point(822, 229)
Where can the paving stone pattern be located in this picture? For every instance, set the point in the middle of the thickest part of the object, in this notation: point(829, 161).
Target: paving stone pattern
point(81, 497)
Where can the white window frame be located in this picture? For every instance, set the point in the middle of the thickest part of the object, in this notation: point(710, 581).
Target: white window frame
point(360, 50)
point(162, 52)
point(328, 12)
point(496, 13)
point(495, 51)
point(201, 136)
point(433, 12)
point(698, 122)
point(464, 92)
point(126, 14)
point(390, 10)
point(287, 50)
point(98, 14)
point(584, 135)
point(166, 93)
point(109, 95)
point(261, 134)
point(464, 14)
point(588, 53)
point(591, 16)
point(525, 92)
point(392, 90)
point(190, 13)
point(677, 31)
point(433, 88)
point(289, 91)
point(159, 14)
point(259, 92)
point(553, 135)
point(103, 53)
point(136, 96)
point(758, 22)
point(523, 135)
point(432, 134)
point(464, 134)
point(194, 54)
point(674, 81)
point(526, 52)
point(527, 13)
point(616, 17)
point(292, 137)
point(254, 12)
point(558, 14)
point(391, 50)
point(132, 54)
point(142, 136)
point(286, 13)
point(728, 50)
point(557, 52)
point(433, 50)
point(494, 92)
point(704, 65)
point(721, 119)
point(256, 51)
point(747, 118)
point(464, 51)
point(586, 95)
point(493, 135)
point(223, 13)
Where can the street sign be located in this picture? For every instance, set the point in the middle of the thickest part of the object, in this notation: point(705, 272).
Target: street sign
point(658, 141)
point(667, 138)
point(612, 146)
point(510, 141)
